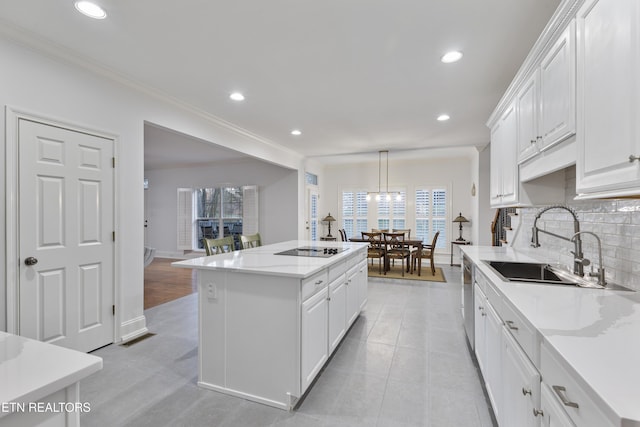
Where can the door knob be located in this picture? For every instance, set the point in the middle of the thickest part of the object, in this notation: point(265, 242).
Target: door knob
point(31, 261)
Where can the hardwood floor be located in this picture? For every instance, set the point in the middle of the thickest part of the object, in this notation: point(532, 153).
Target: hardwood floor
point(163, 283)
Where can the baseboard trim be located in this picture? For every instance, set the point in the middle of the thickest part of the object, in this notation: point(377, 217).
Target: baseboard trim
point(133, 328)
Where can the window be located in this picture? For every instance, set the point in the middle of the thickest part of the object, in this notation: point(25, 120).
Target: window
point(431, 215)
point(310, 178)
point(217, 212)
point(354, 212)
point(392, 213)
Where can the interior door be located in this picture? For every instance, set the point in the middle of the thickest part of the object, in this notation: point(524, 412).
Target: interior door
point(65, 230)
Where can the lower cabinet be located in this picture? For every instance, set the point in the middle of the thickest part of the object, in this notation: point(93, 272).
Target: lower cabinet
point(520, 386)
point(337, 312)
point(551, 411)
point(488, 338)
point(511, 380)
point(314, 337)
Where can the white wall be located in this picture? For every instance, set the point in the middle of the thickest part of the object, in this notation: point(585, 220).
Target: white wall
point(37, 83)
point(278, 202)
point(428, 168)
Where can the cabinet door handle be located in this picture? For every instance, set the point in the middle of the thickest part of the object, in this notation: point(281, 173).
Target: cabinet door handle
point(537, 412)
point(533, 141)
point(510, 325)
point(525, 391)
point(633, 158)
point(560, 390)
point(319, 282)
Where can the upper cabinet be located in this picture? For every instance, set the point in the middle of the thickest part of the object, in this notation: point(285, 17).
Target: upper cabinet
point(504, 169)
point(546, 100)
point(528, 112)
point(608, 97)
point(557, 90)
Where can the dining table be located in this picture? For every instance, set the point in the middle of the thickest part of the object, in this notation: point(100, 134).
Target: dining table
point(417, 244)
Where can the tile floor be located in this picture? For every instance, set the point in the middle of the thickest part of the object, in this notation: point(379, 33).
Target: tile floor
point(405, 362)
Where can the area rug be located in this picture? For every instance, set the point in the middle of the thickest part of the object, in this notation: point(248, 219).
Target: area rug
point(396, 273)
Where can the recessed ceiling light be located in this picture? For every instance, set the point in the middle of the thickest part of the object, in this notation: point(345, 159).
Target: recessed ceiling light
point(237, 96)
point(452, 56)
point(443, 117)
point(90, 9)
point(296, 132)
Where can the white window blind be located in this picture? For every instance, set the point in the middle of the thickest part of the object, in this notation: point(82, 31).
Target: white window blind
point(250, 211)
point(185, 218)
point(354, 212)
point(431, 215)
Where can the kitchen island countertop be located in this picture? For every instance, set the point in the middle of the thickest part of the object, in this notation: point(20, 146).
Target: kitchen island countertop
point(263, 259)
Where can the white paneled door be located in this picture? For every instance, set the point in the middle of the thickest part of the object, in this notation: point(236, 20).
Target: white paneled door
point(66, 227)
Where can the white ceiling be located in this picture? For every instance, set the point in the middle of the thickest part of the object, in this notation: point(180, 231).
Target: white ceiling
point(354, 75)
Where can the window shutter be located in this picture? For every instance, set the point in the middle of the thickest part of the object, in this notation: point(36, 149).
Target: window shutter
point(185, 218)
point(250, 212)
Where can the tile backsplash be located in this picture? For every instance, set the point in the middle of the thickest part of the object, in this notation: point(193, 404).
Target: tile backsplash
point(616, 222)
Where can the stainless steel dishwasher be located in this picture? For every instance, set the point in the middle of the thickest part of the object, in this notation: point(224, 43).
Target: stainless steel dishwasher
point(467, 299)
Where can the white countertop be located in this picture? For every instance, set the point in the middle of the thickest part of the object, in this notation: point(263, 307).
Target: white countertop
point(262, 260)
point(31, 370)
point(595, 331)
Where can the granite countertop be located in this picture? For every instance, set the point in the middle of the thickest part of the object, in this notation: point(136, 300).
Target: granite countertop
point(31, 370)
point(596, 332)
point(262, 260)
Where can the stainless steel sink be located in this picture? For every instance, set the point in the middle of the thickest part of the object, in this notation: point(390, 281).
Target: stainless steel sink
point(544, 274)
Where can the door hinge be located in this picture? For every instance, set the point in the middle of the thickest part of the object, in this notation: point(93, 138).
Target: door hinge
point(113, 236)
point(113, 310)
point(113, 162)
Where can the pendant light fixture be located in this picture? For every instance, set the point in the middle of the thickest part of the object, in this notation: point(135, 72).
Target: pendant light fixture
point(380, 195)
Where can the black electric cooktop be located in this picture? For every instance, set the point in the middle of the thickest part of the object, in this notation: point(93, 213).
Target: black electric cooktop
point(312, 251)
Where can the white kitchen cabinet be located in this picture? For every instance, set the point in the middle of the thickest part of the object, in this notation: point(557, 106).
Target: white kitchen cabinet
point(528, 111)
point(362, 284)
point(479, 302)
point(520, 385)
point(504, 168)
point(488, 341)
point(337, 311)
point(315, 335)
point(608, 94)
point(557, 90)
point(575, 400)
point(353, 291)
point(551, 412)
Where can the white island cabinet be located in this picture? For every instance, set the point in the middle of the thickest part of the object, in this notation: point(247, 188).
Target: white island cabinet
point(39, 383)
point(268, 323)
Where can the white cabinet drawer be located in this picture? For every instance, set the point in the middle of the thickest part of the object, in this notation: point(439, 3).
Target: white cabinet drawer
point(315, 283)
point(336, 270)
point(483, 282)
point(523, 332)
point(576, 400)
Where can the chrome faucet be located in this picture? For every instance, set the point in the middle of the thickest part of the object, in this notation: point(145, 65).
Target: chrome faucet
point(578, 257)
point(600, 274)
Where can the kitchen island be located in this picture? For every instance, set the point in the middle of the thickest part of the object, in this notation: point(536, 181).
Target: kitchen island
point(270, 317)
point(558, 354)
point(39, 382)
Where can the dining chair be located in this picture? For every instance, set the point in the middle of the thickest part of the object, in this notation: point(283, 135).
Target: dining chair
point(343, 234)
point(219, 246)
point(250, 241)
point(427, 252)
point(375, 249)
point(396, 248)
point(406, 231)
